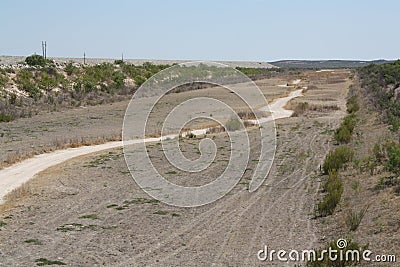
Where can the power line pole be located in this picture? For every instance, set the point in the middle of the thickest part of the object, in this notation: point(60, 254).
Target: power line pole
point(44, 49)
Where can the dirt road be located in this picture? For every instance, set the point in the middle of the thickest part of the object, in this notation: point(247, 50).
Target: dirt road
point(15, 175)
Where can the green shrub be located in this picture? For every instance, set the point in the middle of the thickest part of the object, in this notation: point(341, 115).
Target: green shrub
point(343, 135)
point(344, 132)
point(118, 78)
point(89, 86)
point(388, 155)
point(139, 80)
point(46, 81)
point(5, 117)
point(233, 124)
point(12, 99)
point(354, 218)
point(33, 241)
point(44, 261)
point(35, 60)
point(350, 122)
point(160, 212)
point(89, 216)
point(3, 80)
point(337, 158)
point(352, 105)
point(334, 189)
point(25, 82)
point(191, 135)
point(394, 122)
point(70, 69)
point(140, 73)
point(393, 153)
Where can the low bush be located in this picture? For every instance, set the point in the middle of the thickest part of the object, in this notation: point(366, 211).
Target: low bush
point(3, 78)
point(25, 81)
point(233, 124)
point(139, 80)
point(337, 158)
point(44, 261)
point(334, 189)
point(5, 117)
point(354, 218)
point(300, 108)
point(388, 155)
point(352, 104)
point(70, 69)
point(393, 154)
point(35, 60)
point(344, 133)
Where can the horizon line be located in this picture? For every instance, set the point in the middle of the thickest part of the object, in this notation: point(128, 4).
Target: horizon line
point(215, 60)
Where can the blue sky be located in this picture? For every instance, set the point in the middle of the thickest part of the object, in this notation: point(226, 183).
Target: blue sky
point(252, 30)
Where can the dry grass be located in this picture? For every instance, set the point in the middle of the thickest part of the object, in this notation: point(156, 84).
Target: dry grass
point(221, 129)
point(18, 193)
point(302, 107)
point(246, 115)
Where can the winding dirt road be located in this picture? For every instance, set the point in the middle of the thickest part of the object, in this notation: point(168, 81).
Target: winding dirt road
point(17, 174)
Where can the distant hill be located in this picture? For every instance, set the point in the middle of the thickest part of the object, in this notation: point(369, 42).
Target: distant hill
point(325, 64)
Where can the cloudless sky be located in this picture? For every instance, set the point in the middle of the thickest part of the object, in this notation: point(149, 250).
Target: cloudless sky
point(251, 30)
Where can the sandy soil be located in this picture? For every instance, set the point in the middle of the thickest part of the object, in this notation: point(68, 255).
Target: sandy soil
point(89, 212)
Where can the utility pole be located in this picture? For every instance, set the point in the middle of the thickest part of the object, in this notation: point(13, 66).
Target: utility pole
point(84, 58)
point(44, 49)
